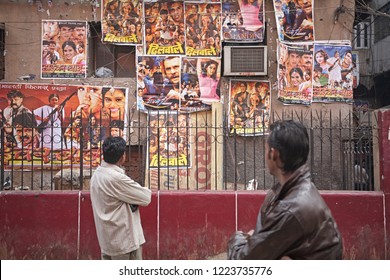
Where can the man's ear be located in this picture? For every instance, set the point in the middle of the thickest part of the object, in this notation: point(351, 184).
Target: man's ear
point(273, 154)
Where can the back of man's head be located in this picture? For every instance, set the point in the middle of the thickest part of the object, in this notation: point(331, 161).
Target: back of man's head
point(290, 138)
point(113, 149)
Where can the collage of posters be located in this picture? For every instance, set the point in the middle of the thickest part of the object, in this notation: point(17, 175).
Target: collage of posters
point(64, 49)
point(168, 140)
point(308, 70)
point(250, 107)
point(47, 125)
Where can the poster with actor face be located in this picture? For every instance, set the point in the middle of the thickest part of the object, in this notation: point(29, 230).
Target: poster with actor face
point(294, 20)
point(158, 82)
point(168, 141)
point(249, 105)
point(295, 73)
point(203, 26)
point(164, 28)
point(64, 49)
point(46, 126)
point(121, 22)
point(333, 72)
point(243, 20)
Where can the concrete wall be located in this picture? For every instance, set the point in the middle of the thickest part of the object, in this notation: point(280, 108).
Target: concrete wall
point(177, 225)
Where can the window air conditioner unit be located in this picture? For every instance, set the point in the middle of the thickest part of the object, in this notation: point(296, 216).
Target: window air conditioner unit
point(245, 60)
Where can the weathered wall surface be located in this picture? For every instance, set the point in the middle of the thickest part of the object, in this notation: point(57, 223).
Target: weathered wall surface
point(189, 225)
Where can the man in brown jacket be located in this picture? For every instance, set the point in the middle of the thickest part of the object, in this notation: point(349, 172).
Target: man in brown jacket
point(294, 221)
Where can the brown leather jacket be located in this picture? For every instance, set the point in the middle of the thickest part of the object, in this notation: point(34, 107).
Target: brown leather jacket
point(294, 221)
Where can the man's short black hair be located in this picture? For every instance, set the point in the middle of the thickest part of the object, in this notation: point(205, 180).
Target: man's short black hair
point(14, 93)
point(113, 149)
point(291, 139)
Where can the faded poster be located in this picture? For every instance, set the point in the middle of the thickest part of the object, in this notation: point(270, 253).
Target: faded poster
point(168, 141)
point(295, 64)
point(333, 73)
point(46, 126)
point(64, 49)
point(122, 22)
point(158, 82)
point(203, 26)
point(200, 80)
point(249, 107)
point(164, 28)
point(294, 20)
point(243, 20)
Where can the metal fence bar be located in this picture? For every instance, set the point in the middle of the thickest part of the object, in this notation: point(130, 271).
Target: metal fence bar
point(341, 146)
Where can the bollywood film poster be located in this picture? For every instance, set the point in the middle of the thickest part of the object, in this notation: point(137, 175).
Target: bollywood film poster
point(200, 83)
point(243, 20)
point(249, 107)
point(333, 73)
point(294, 20)
point(168, 141)
point(47, 126)
point(158, 82)
point(203, 26)
point(122, 22)
point(164, 28)
point(295, 64)
point(64, 49)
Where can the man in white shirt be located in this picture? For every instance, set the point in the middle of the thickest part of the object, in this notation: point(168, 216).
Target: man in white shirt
point(115, 199)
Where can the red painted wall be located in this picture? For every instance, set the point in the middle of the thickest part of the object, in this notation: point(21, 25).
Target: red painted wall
point(177, 225)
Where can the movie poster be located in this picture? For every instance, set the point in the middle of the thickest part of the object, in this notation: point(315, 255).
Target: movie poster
point(46, 126)
point(164, 28)
point(122, 22)
point(203, 26)
point(158, 82)
point(168, 141)
point(294, 20)
point(295, 64)
point(249, 107)
point(200, 83)
point(333, 72)
point(64, 49)
point(243, 20)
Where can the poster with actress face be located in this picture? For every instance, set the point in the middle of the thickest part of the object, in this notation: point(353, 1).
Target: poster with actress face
point(294, 20)
point(295, 73)
point(249, 105)
point(121, 22)
point(243, 20)
point(333, 72)
point(200, 83)
point(64, 49)
point(164, 28)
point(47, 126)
point(203, 26)
point(168, 141)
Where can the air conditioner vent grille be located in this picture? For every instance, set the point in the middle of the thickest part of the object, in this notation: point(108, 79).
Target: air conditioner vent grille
point(247, 59)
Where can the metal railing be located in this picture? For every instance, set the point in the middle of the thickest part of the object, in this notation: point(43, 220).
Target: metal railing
point(196, 152)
